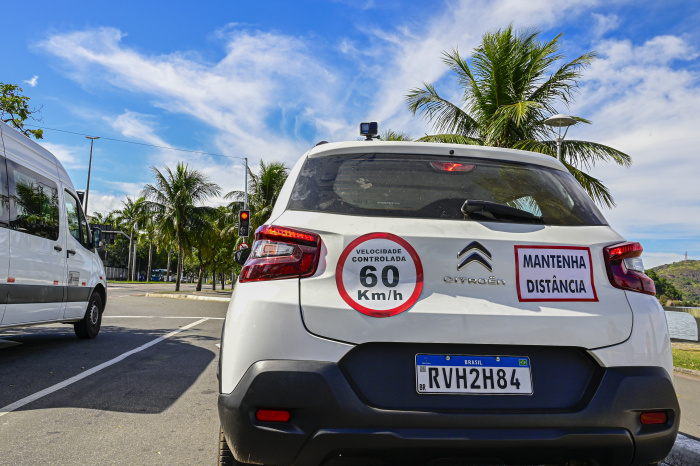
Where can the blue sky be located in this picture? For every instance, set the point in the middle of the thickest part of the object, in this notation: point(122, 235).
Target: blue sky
point(269, 79)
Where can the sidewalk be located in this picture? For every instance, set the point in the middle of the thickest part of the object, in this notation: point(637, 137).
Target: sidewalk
point(204, 295)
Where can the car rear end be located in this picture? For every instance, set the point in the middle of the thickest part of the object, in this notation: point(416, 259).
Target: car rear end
point(410, 303)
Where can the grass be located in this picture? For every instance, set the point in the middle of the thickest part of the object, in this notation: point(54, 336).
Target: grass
point(687, 358)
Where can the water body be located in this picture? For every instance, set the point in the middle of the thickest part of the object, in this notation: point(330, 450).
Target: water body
point(682, 325)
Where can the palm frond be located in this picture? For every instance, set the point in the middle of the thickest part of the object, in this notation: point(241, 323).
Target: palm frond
point(451, 139)
point(445, 116)
point(593, 186)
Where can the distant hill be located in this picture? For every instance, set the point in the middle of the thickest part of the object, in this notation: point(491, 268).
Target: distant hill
point(684, 275)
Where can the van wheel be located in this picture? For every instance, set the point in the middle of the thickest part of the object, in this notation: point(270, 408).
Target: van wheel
point(89, 326)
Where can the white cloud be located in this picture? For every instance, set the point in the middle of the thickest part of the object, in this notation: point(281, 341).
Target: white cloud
point(654, 259)
point(262, 73)
point(67, 154)
point(643, 105)
point(638, 97)
point(412, 54)
point(33, 82)
point(604, 23)
point(103, 203)
point(136, 126)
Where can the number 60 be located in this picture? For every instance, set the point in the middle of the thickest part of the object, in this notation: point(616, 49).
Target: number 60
point(369, 279)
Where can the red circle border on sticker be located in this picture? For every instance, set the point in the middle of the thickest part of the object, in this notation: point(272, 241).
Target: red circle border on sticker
point(373, 312)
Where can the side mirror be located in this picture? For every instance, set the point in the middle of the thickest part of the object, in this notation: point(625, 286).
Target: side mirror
point(97, 238)
point(241, 256)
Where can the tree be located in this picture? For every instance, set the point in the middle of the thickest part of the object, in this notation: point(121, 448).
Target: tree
point(507, 95)
point(175, 203)
point(129, 217)
point(665, 291)
point(391, 135)
point(263, 190)
point(14, 110)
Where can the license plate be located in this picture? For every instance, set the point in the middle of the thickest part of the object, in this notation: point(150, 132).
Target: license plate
point(473, 375)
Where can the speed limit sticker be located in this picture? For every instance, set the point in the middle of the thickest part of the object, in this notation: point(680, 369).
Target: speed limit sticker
point(379, 274)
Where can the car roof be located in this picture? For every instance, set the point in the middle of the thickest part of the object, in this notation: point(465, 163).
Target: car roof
point(432, 148)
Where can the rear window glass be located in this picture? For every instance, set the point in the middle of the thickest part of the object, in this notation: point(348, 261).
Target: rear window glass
point(415, 186)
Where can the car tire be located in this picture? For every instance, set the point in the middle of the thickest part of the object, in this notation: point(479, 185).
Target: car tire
point(89, 326)
point(225, 455)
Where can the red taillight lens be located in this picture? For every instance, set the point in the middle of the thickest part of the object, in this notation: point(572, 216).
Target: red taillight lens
point(272, 415)
point(453, 166)
point(625, 268)
point(653, 417)
point(281, 252)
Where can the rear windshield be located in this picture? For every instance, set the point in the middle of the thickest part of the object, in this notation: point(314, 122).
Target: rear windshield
point(416, 186)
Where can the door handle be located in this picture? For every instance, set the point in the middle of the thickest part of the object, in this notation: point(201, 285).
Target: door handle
point(58, 248)
point(69, 252)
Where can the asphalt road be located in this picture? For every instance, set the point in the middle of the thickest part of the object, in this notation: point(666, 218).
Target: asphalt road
point(155, 406)
point(144, 391)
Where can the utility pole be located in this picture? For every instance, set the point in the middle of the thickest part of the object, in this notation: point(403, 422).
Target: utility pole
point(245, 203)
point(87, 190)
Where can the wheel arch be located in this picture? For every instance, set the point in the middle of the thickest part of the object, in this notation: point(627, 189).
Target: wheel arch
point(99, 288)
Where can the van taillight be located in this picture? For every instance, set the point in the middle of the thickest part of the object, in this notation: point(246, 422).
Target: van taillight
point(626, 269)
point(281, 252)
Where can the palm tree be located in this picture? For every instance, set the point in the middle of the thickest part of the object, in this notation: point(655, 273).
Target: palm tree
point(263, 189)
point(130, 216)
point(175, 203)
point(391, 135)
point(508, 93)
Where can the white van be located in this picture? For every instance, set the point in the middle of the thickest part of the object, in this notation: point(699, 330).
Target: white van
point(49, 267)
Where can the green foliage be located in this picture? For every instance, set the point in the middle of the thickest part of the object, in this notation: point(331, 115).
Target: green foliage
point(175, 205)
point(118, 252)
point(508, 92)
point(665, 290)
point(14, 110)
point(391, 135)
point(683, 276)
point(263, 189)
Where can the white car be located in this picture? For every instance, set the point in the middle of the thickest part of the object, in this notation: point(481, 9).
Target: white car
point(415, 303)
point(49, 267)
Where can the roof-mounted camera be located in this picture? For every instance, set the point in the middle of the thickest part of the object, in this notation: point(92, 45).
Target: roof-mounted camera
point(369, 130)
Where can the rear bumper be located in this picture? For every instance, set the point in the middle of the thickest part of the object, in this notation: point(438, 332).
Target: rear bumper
point(330, 424)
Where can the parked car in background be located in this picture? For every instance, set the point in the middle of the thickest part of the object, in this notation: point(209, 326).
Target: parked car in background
point(413, 302)
point(49, 268)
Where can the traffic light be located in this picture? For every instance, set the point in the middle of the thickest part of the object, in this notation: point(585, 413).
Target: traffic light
point(243, 223)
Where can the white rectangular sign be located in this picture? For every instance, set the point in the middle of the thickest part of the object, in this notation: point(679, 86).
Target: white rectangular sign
point(554, 273)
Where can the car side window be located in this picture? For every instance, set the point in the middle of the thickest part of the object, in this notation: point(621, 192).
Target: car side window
point(33, 202)
point(77, 224)
point(4, 195)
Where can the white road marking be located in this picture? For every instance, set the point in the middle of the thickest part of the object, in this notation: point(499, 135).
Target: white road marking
point(47, 391)
point(160, 317)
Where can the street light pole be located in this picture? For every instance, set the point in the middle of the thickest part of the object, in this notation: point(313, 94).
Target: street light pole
point(87, 190)
point(560, 121)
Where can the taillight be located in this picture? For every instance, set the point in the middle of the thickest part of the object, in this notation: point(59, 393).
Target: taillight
point(626, 269)
point(453, 166)
point(653, 417)
point(281, 252)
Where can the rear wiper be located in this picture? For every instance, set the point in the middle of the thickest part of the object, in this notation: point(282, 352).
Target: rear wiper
point(496, 210)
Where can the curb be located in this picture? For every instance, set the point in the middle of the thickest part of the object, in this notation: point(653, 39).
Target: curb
point(188, 296)
point(683, 370)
